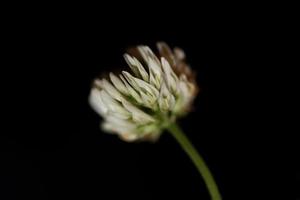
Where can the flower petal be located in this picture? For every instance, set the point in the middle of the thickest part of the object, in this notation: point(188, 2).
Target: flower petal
point(166, 100)
point(118, 83)
point(179, 54)
point(165, 51)
point(108, 87)
point(153, 65)
point(136, 67)
point(139, 84)
point(96, 102)
point(115, 127)
point(113, 105)
point(170, 76)
point(138, 115)
point(131, 91)
point(148, 93)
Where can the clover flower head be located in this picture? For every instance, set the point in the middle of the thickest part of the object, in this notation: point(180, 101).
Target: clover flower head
point(140, 104)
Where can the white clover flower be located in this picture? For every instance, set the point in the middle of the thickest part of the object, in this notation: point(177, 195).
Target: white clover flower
point(139, 105)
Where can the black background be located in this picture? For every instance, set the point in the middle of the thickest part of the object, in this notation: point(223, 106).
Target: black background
point(55, 149)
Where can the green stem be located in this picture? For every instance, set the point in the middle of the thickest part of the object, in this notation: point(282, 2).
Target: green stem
point(187, 146)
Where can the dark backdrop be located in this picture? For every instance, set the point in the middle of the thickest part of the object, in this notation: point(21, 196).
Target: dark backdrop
point(55, 149)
